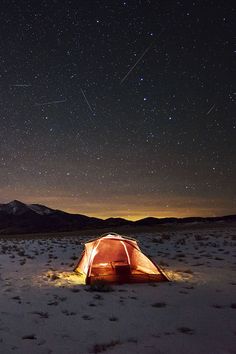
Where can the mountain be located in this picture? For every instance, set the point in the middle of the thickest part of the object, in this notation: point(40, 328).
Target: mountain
point(150, 221)
point(20, 218)
point(118, 222)
point(17, 217)
point(155, 221)
point(14, 208)
point(18, 208)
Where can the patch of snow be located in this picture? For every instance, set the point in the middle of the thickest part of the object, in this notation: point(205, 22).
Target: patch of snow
point(44, 308)
point(40, 209)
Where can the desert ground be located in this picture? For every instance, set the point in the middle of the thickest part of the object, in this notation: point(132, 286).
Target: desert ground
point(45, 309)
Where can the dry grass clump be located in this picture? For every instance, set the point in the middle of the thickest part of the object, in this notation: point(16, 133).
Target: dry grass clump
point(101, 287)
point(159, 304)
point(217, 306)
point(157, 240)
point(29, 336)
point(187, 271)
point(181, 241)
point(186, 330)
point(113, 318)
point(99, 348)
point(165, 237)
point(41, 314)
point(87, 317)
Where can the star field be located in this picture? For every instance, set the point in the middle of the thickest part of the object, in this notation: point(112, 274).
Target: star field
point(119, 108)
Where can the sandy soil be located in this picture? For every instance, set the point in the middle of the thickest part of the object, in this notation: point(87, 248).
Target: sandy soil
point(44, 308)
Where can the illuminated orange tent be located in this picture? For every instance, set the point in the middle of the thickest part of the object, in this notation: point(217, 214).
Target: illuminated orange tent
point(117, 259)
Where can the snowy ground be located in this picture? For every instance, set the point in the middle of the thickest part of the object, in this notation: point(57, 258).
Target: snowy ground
point(195, 313)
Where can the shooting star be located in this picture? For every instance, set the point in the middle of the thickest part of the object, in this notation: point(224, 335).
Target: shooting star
point(50, 103)
point(86, 100)
point(211, 109)
point(141, 56)
point(21, 85)
point(135, 64)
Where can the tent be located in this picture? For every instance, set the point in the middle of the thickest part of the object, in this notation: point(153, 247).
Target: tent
point(117, 259)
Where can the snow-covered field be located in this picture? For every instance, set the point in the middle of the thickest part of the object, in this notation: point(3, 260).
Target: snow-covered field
point(194, 313)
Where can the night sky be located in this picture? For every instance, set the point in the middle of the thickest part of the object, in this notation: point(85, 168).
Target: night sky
point(119, 108)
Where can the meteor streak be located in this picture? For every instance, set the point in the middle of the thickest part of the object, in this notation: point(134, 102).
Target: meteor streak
point(211, 109)
point(86, 100)
point(135, 64)
point(50, 103)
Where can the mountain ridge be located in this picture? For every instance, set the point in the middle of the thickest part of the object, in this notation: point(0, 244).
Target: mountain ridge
point(18, 217)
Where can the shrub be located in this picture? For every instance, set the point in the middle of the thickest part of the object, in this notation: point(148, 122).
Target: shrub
point(159, 304)
point(99, 348)
point(100, 286)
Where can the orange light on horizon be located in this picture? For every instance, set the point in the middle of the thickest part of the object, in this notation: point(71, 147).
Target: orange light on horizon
point(129, 207)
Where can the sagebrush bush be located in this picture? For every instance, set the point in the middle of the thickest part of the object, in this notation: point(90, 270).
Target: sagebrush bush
point(100, 286)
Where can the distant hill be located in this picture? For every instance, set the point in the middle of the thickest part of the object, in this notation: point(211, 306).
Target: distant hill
point(17, 217)
point(20, 218)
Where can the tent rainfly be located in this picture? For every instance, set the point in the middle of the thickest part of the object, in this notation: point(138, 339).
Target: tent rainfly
point(116, 259)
